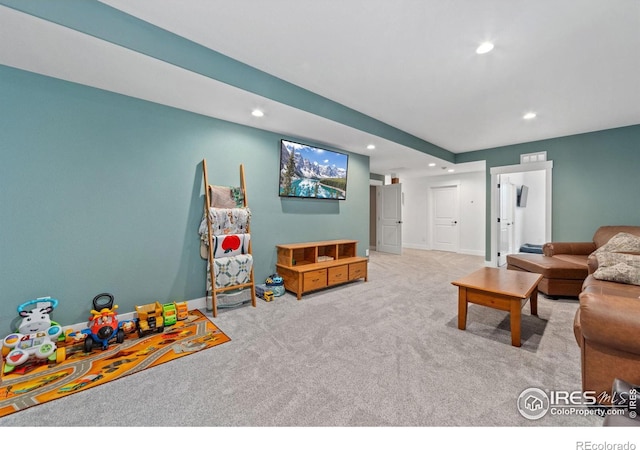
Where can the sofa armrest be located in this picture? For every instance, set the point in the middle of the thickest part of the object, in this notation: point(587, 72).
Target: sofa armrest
point(611, 321)
point(568, 248)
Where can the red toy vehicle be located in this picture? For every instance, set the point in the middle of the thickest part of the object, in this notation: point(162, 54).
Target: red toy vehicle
point(103, 324)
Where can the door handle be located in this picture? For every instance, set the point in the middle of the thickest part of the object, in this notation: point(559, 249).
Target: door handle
point(454, 222)
point(399, 221)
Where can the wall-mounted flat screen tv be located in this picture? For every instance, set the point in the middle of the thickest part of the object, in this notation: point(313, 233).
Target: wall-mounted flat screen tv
point(312, 172)
point(522, 194)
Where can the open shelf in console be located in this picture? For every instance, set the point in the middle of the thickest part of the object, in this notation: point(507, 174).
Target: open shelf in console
point(346, 250)
point(326, 252)
point(309, 266)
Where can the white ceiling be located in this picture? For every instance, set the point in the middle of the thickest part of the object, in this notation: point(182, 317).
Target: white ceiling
point(411, 64)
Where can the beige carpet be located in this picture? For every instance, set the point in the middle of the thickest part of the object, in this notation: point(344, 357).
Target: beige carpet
point(382, 353)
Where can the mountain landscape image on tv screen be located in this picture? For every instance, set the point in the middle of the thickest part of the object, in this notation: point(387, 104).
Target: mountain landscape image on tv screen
point(312, 172)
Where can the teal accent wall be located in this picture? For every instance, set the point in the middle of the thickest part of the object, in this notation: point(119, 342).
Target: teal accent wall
point(595, 180)
point(103, 193)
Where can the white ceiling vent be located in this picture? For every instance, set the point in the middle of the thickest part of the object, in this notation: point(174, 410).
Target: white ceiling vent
point(533, 157)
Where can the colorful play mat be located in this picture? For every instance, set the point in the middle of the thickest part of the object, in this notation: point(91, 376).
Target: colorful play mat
point(33, 385)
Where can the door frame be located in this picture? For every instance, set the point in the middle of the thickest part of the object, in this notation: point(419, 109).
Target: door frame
point(547, 166)
point(511, 230)
point(373, 214)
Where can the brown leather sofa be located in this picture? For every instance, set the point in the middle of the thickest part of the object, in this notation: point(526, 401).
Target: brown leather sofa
point(607, 321)
point(563, 265)
point(607, 329)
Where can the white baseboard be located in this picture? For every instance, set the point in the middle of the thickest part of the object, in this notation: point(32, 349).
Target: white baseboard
point(416, 246)
point(426, 247)
point(472, 252)
point(198, 303)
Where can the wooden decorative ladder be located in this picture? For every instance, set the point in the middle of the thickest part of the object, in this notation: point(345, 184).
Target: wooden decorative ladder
point(211, 235)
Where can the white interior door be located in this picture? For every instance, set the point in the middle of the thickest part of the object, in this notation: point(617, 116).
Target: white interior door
point(506, 221)
point(445, 218)
point(389, 209)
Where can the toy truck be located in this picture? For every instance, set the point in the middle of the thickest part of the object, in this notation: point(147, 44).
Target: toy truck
point(182, 310)
point(150, 319)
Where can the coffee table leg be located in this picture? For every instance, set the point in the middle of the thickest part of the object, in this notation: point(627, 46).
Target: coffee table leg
point(462, 308)
point(516, 305)
point(534, 302)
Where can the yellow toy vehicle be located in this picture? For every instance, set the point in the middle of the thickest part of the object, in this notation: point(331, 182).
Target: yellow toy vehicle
point(182, 310)
point(150, 319)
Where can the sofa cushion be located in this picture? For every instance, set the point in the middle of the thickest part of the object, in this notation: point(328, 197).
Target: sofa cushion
point(618, 267)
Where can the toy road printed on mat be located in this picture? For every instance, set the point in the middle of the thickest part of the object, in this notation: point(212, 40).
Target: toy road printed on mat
point(42, 382)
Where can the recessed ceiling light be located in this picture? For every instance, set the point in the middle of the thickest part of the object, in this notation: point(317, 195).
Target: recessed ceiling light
point(529, 116)
point(483, 48)
point(432, 164)
point(451, 170)
point(371, 147)
point(257, 113)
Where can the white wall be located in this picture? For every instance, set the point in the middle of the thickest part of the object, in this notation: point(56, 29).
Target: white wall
point(529, 221)
point(533, 214)
point(417, 213)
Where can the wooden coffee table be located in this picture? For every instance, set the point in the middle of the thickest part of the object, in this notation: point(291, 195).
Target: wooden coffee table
point(506, 290)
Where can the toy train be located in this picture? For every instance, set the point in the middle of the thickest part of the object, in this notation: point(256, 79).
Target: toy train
point(154, 316)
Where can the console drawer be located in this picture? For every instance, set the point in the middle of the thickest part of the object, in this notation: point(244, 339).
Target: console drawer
point(338, 274)
point(315, 279)
point(358, 270)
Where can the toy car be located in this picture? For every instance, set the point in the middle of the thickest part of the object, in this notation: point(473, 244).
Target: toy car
point(274, 280)
point(104, 326)
point(275, 283)
point(79, 384)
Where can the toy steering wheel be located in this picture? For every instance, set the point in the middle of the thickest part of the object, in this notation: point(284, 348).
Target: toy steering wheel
point(53, 301)
point(102, 301)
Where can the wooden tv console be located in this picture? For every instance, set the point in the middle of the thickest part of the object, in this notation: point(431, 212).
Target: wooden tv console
point(309, 266)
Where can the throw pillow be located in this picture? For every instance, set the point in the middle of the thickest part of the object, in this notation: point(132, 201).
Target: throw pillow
point(621, 243)
point(618, 267)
